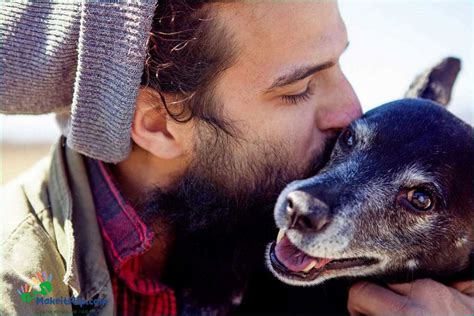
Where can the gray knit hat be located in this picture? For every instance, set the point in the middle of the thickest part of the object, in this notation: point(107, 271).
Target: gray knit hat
point(82, 60)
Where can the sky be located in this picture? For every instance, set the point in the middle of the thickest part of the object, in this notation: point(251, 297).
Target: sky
point(390, 43)
point(393, 41)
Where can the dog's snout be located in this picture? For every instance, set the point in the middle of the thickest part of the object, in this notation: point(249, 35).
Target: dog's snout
point(306, 213)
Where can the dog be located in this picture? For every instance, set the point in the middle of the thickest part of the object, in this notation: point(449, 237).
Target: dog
point(395, 202)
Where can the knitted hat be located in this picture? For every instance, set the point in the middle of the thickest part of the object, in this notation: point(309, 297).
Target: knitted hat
point(82, 60)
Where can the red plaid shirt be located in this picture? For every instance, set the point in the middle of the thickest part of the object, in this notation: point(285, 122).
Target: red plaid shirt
point(126, 238)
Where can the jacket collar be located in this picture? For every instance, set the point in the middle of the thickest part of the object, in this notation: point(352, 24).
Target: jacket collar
point(75, 223)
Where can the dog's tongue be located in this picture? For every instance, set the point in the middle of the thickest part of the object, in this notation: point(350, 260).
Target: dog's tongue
point(294, 259)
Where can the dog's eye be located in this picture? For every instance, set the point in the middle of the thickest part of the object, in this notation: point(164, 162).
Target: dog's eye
point(348, 138)
point(420, 199)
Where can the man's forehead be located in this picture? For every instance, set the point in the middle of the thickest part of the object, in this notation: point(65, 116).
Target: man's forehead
point(275, 21)
point(277, 37)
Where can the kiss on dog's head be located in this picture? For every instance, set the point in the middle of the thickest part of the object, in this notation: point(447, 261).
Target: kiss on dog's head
point(395, 201)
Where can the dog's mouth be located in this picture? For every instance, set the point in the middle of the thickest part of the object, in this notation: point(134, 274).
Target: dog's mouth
point(290, 262)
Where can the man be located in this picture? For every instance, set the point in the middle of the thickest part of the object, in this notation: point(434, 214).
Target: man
point(237, 99)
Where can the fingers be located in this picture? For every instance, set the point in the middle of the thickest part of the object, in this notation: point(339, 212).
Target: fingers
point(402, 288)
point(465, 287)
point(421, 296)
point(371, 299)
point(465, 295)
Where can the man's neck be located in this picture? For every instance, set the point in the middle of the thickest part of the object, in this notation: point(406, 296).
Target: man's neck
point(135, 176)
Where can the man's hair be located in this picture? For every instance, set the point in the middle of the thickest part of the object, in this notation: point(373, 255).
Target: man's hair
point(187, 51)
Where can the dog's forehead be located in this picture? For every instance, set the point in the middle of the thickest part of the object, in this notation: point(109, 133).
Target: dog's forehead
point(410, 117)
point(412, 126)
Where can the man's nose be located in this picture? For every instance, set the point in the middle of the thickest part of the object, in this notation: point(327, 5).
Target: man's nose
point(340, 106)
point(306, 213)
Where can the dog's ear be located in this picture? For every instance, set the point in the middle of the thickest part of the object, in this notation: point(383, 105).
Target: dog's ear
point(437, 82)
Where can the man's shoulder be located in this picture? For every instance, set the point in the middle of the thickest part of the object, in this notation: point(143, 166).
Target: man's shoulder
point(24, 199)
point(27, 245)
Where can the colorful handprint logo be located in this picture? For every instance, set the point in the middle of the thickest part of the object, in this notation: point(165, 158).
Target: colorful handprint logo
point(41, 281)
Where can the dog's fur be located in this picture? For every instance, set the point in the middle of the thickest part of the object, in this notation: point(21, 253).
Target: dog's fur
point(397, 147)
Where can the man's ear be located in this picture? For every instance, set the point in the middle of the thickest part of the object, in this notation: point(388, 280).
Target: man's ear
point(151, 127)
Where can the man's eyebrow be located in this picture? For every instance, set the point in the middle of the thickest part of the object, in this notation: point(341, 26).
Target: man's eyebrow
point(300, 73)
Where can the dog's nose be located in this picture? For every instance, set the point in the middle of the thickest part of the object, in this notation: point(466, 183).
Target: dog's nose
point(306, 213)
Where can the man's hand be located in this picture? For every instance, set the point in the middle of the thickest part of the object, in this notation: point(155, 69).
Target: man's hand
point(421, 297)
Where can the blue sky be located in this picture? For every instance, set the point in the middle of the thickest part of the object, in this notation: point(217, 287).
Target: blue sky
point(390, 43)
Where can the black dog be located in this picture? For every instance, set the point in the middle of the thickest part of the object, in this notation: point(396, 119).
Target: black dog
point(395, 201)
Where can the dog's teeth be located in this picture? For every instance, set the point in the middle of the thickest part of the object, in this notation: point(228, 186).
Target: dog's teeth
point(280, 236)
point(311, 265)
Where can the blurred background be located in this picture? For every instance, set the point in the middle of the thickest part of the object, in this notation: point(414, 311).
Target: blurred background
point(390, 43)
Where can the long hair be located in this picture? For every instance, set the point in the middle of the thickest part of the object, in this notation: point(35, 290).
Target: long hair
point(188, 49)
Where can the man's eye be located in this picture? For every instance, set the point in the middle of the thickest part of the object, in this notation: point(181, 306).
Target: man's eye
point(296, 98)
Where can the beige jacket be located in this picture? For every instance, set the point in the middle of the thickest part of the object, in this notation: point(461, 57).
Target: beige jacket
point(40, 232)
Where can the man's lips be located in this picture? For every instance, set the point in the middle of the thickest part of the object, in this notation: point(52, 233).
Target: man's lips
point(288, 260)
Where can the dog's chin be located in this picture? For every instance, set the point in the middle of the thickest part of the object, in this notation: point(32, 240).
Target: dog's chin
point(335, 268)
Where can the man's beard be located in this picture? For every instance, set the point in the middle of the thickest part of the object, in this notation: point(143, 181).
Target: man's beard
point(221, 213)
